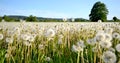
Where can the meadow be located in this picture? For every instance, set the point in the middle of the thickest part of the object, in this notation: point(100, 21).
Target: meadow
point(60, 42)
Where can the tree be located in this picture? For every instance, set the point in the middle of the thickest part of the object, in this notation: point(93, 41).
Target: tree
point(115, 18)
point(6, 18)
point(98, 12)
point(31, 18)
point(0, 19)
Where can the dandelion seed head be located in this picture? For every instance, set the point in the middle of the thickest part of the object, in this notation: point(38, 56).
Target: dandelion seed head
point(76, 48)
point(111, 49)
point(1, 36)
point(108, 30)
point(41, 46)
point(105, 44)
point(109, 57)
point(25, 37)
point(60, 41)
point(7, 55)
point(95, 49)
point(100, 37)
point(48, 59)
point(9, 40)
point(108, 37)
point(27, 43)
point(50, 33)
point(115, 35)
point(81, 43)
point(118, 47)
point(91, 41)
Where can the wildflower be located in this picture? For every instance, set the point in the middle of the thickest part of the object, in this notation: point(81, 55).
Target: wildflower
point(25, 36)
point(31, 38)
point(118, 47)
point(111, 49)
point(41, 46)
point(1, 36)
point(27, 43)
point(105, 44)
point(3, 20)
point(16, 29)
point(76, 48)
point(91, 41)
point(7, 55)
point(109, 57)
point(61, 36)
point(108, 37)
point(108, 30)
point(99, 21)
point(95, 49)
point(9, 40)
point(60, 41)
point(100, 37)
point(81, 43)
point(64, 19)
point(48, 59)
point(115, 35)
point(10, 33)
point(50, 33)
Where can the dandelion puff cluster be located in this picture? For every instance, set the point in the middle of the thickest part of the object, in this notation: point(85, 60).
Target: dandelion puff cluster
point(118, 47)
point(109, 57)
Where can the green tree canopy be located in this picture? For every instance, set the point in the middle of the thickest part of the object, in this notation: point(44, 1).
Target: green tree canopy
point(31, 18)
point(0, 18)
point(115, 18)
point(6, 18)
point(98, 12)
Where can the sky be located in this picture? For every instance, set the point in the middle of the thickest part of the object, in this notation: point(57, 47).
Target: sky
point(56, 8)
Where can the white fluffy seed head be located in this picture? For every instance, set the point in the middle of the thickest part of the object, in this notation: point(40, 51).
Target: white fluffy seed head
point(1, 36)
point(100, 37)
point(27, 43)
point(108, 37)
point(60, 41)
point(50, 33)
point(115, 35)
point(111, 49)
point(48, 59)
point(41, 46)
point(108, 30)
point(76, 48)
point(81, 43)
point(9, 40)
point(91, 41)
point(105, 44)
point(109, 57)
point(25, 37)
point(118, 47)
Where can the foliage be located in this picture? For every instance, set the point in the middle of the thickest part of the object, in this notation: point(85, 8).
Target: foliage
point(115, 19)
point(0, 18)
point(81, 20)
point(98, 12)
point(31, 18)
point(6, 18)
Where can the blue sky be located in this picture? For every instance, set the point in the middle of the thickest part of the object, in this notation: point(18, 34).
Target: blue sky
point(56, 8)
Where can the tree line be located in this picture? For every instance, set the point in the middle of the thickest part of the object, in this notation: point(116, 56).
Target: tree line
point(98, 12)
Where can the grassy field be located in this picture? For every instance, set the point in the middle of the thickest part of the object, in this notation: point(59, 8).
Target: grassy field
point(59, 42)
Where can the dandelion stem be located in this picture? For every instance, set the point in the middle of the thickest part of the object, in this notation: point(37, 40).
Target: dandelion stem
point(94, 57)
point(78, 57)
